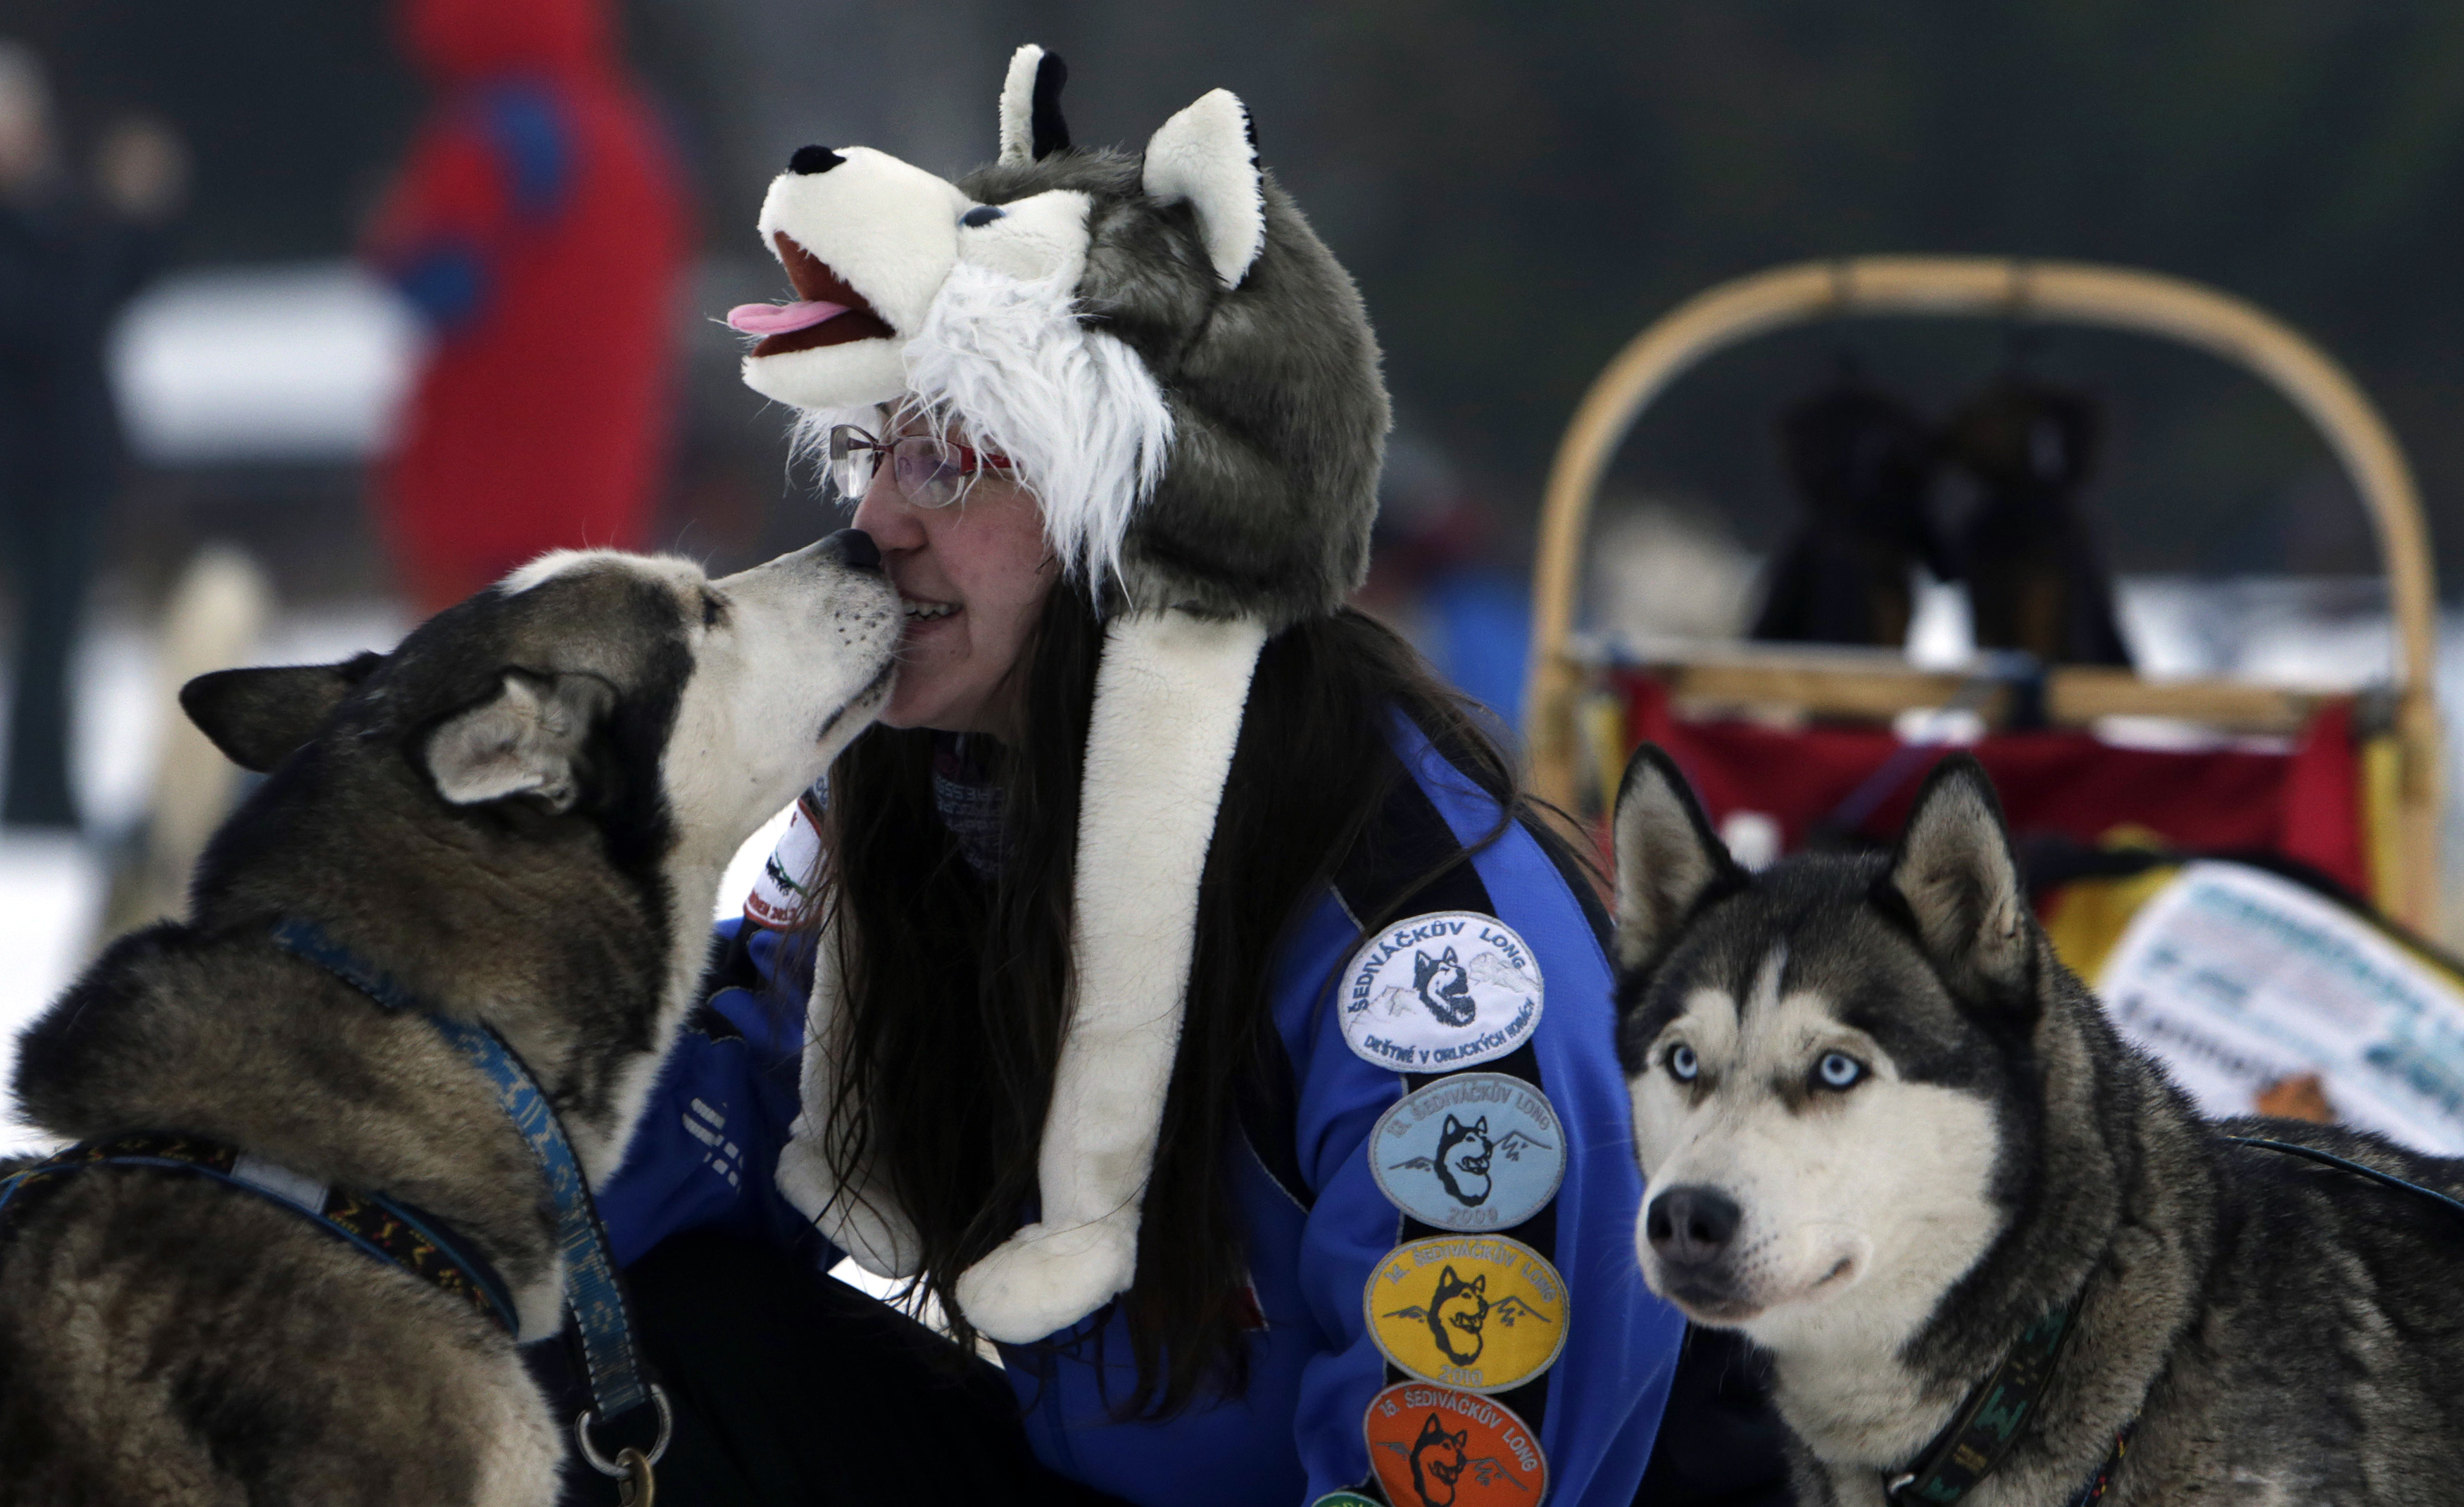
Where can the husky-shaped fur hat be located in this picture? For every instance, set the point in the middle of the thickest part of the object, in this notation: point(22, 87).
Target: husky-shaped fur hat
point(1185, 380)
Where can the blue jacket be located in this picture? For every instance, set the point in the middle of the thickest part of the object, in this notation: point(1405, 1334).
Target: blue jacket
point(1317, 1223)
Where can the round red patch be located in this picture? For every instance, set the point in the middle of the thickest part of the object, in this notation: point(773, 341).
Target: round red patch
point(1434, 1447)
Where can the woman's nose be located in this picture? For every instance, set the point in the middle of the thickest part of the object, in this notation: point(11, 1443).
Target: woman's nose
point(887, 516)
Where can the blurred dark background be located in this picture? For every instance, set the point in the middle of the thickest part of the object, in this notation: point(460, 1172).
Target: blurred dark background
point(1519, 188)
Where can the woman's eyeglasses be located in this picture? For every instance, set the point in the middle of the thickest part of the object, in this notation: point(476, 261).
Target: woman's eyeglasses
point(926, 471)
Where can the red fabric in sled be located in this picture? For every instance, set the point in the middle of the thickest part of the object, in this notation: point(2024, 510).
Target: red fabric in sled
point(2304, 804)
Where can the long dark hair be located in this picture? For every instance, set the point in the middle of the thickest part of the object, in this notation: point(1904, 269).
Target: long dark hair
point(957, 990)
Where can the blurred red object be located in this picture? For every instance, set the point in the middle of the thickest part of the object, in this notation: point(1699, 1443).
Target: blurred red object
point(538, 225)
point(2301, 804)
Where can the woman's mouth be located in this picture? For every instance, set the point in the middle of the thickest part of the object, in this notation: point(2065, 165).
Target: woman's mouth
point(927, 617)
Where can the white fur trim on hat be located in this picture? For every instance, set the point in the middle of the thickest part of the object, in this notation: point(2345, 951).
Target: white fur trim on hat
point(1074, 408)
point(863, 1221)
point(1204, 154)
point(1170, 691)
point(1018, 105)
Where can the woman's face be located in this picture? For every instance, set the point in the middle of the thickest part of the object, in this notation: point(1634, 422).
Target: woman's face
point(973, 576)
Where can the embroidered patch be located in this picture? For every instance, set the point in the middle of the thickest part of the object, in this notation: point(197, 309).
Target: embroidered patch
point(1452, 989)
point(784, 893)
point(1343, 1499)
point(1483, 1313)
point(1436, 1447)
point(1474, 1151)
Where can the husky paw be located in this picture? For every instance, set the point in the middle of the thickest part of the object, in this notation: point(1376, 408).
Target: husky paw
point(1042, 1279)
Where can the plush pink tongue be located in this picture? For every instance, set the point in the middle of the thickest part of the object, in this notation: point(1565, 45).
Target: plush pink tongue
point(780, 318)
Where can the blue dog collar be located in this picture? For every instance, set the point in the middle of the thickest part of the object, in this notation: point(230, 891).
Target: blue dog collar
point(591, 1289)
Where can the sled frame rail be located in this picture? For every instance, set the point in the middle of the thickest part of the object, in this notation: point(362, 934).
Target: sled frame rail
point(2007, 289)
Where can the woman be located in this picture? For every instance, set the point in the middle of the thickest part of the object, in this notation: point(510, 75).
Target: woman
point(1387, 1146)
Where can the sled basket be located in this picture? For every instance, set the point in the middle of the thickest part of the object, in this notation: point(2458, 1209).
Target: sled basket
point(2356, 797)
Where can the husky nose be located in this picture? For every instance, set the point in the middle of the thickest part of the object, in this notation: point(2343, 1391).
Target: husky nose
point(1691, 1225)
point(852, 548)
point(810, 160)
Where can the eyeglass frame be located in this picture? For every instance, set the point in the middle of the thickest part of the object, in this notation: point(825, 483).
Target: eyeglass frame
point(848, 438)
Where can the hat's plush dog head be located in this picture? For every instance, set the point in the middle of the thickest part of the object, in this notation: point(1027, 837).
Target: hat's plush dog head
point(1830, 1062)
point(1178, 366)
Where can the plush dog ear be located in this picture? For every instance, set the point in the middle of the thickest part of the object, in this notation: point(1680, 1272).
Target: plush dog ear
point(1960, 879)
point(1031, 127)
point(1208, 155)
point(257, 717)
point(526, 740)
point(1668, 857)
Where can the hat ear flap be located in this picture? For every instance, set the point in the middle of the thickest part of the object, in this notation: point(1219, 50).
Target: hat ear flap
point(1031, 127)
point(1208, 155)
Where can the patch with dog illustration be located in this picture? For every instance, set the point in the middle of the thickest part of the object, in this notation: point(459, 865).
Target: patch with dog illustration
point(1436, 1447)
point(1482, 1314)
point(1448, 990)
point(1472, 1151)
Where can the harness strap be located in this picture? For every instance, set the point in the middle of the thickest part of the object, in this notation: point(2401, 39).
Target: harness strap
point(383, 1228)
point(591, 1289)
point(2311, 1153)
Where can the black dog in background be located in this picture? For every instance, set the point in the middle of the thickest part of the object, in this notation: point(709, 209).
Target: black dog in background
point(1864, 464)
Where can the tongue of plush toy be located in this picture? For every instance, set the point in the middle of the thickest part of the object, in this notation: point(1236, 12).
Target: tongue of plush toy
point(781, 318)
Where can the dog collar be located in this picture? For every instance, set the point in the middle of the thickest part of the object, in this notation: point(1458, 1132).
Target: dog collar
point(1991, 1421)
point(384, 1227)
point(592, 1292)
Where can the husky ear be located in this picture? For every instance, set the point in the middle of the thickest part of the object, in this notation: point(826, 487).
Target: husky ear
point(526, 740)
point(257, 717)
point(1960, 879)
point(1208, 155)
point(1668, 858)
point(1031, 127)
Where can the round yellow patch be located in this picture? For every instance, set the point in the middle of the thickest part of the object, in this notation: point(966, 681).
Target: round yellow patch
point(1480, 1313)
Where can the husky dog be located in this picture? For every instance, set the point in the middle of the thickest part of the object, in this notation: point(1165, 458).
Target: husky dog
point(522, 814)
point(1444, 987)
point(1892, 1141)
point(1464, 1151)
point(1463, 1308)
point(1438, 1462)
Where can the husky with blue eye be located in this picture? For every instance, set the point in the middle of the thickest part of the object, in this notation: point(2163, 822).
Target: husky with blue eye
point(1993, 1254)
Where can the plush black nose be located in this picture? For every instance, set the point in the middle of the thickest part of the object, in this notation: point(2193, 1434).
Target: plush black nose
point(813, 160)
point(1691, 1225)
point(853, 548)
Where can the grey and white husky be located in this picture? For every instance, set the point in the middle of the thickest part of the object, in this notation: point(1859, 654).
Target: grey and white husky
point(1891, 1139)
point(522, 814)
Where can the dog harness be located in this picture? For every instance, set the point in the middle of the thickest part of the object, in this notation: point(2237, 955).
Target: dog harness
point(1981, 1434)
point(596, 1298)
point(381, 1226)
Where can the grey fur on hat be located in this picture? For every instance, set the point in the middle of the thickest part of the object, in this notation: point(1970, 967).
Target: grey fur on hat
point(1185, 377)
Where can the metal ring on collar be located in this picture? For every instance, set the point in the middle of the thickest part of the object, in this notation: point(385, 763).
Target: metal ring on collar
point(604, 1466)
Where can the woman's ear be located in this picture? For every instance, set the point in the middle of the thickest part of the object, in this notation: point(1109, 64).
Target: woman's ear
point(1208, 155)
point(1668, 857)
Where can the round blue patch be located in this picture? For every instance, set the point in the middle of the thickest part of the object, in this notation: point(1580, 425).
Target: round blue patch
point(1473, 1152)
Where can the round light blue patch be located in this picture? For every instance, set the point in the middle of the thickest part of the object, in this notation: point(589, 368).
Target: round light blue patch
point(1474, 1151)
